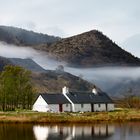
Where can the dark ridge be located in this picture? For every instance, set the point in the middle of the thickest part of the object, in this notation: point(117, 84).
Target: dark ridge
point(18, 36)
point(4, 62)
point(27, 64)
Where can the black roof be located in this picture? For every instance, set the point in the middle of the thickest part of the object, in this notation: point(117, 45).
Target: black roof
point(89, 97)
point(77, 98)
point(57, 98)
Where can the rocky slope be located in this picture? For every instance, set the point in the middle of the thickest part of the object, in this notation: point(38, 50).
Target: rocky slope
point(91, 49)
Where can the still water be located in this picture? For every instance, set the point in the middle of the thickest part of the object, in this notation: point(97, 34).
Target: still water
point(129, 131)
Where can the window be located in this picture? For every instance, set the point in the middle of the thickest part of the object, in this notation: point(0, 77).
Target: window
point(82, 105)
point(67, 105)
point(99, 105)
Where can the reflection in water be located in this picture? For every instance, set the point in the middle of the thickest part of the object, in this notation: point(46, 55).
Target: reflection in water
point(16, 132)
point(72, 132)
point(41, 133)
point(124, 131)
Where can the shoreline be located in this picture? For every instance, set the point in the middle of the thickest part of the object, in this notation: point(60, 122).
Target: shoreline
point(125, 115)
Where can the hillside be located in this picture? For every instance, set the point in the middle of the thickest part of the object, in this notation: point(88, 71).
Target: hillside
point(125, 87)
point(91, 49)
point(53, 81)
point(18, 36)
point(4, 62)
point(27, 64)
point(47, 80)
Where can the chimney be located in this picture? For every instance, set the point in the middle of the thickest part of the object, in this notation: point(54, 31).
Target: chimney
point(94, 90)
point(65, 90)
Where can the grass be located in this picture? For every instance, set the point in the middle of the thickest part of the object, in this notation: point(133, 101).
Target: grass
point(119, 115)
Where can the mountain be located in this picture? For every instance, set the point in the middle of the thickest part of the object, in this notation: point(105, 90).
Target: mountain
point(124, 87)
point(118, 86)
point(47, 80)
point(50, 80)
point(27, 64)
point(18, 36)
point(54, 80)
point(91, 49)
point(132, 44)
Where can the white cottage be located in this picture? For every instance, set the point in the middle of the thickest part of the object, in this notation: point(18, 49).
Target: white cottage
point(68, 101)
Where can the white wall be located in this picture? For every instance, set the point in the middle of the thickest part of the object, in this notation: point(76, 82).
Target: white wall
point(100, 107)
point(40, 105)
point(54, 107)
point(85, 108)
point(97, 107)
point(67, 107)
point(110, 107)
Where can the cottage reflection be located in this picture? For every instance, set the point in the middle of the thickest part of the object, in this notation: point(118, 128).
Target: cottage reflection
point(72, 132)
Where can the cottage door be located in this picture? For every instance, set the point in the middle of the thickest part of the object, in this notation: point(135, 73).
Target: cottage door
point(92, 107)
point(60, 108)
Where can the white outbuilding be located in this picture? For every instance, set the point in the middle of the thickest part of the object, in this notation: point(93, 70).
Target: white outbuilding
point(51, 103)
point(69, 101)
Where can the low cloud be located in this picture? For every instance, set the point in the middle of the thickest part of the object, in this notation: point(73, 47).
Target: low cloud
point(11, 51)
point(105, 77)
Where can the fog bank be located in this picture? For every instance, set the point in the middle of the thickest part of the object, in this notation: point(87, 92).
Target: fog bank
point(109, 79)
point(12, 51)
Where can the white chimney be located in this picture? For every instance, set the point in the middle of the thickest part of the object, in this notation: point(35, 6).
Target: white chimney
point(94, 90)
point(65, 90)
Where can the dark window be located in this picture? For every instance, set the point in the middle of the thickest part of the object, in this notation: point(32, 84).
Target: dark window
point(67, 105)
point(82, 105)
point(99, 105)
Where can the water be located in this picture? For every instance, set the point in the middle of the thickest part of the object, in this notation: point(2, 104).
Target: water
point(129, 131)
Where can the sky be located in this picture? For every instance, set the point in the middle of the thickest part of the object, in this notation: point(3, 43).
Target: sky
point(118, 19)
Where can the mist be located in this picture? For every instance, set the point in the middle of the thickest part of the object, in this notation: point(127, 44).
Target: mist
point(41, 58)
point(107, 78)
point(114, 80)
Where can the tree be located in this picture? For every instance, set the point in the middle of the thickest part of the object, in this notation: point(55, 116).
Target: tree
point(16, 90)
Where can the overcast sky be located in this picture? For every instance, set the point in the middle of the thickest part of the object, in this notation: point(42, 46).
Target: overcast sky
point(118, 19)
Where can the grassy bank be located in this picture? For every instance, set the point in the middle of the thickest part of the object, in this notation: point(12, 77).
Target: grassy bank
point(35, 117)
